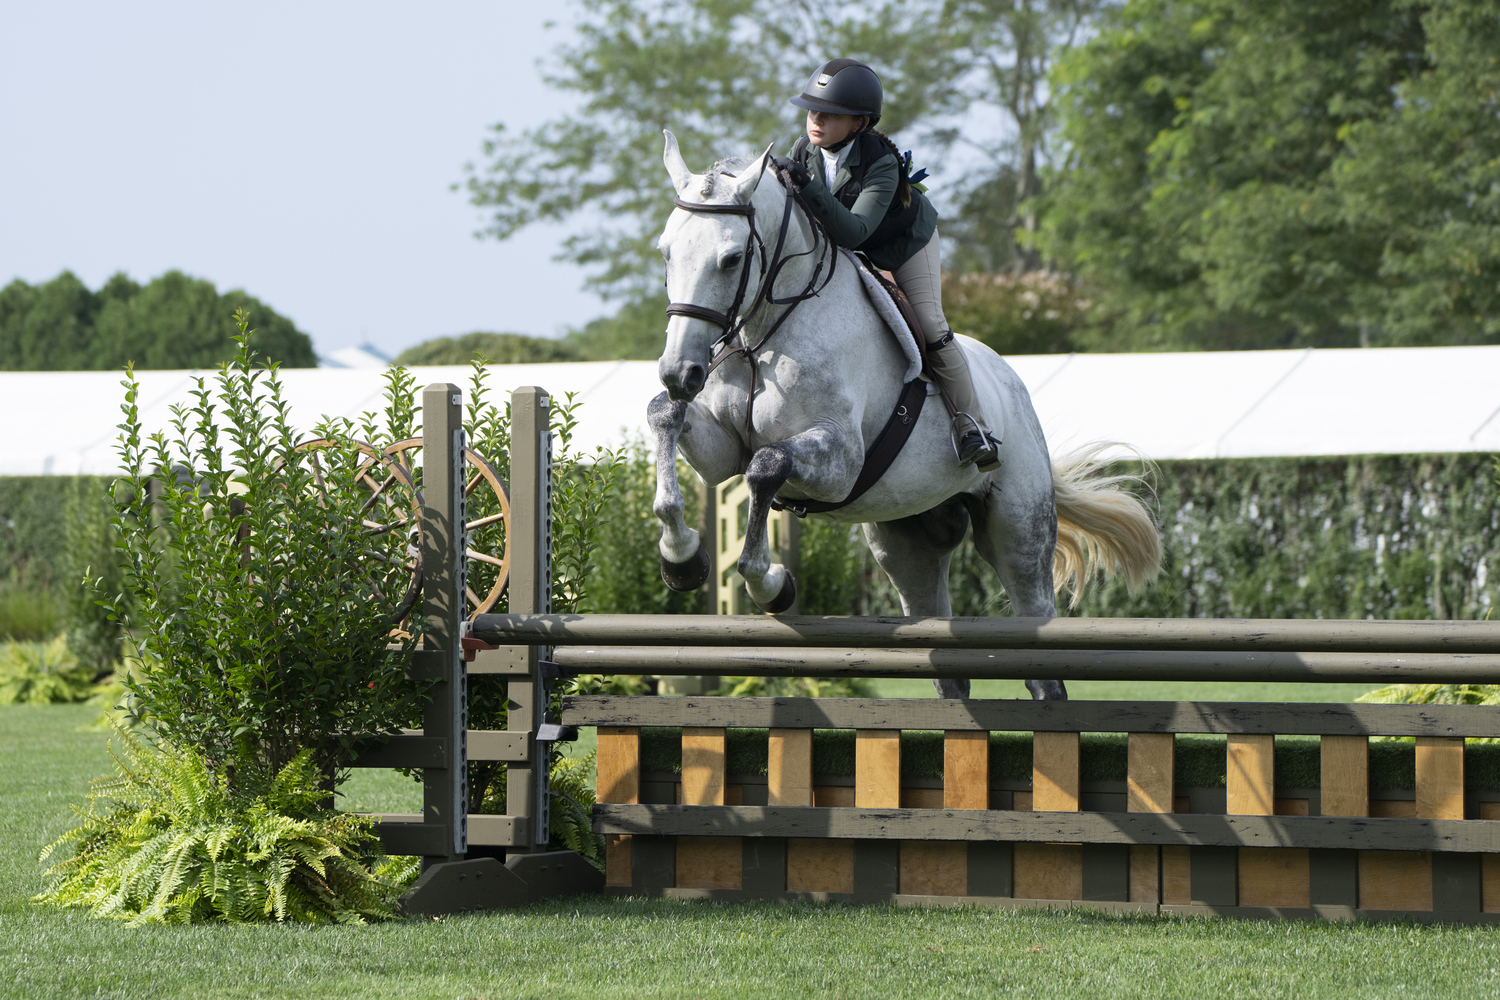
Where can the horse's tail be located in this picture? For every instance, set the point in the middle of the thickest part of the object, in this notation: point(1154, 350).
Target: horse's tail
point(1100, 523)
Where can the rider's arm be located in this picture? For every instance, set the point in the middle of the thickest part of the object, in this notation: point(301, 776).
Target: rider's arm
point(851, 227)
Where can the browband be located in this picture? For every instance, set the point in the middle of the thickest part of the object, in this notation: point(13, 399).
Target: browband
point(701, 206)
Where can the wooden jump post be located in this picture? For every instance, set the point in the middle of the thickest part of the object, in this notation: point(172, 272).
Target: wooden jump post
point(444, 832)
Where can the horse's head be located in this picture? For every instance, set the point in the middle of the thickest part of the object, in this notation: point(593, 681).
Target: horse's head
point(707, 254)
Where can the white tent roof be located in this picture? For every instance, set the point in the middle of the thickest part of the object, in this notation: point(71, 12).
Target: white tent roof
point(1199, 405)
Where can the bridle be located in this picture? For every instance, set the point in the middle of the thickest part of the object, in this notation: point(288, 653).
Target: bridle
point(734, 321)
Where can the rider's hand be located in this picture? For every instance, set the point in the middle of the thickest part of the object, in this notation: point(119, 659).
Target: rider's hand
point(796, 173)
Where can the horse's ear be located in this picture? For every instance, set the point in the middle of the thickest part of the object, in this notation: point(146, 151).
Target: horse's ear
point(750, 178)
point(681, 175)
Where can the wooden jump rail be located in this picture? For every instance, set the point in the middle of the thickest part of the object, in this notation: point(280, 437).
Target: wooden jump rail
point(1157, 634)
point(1339, 850)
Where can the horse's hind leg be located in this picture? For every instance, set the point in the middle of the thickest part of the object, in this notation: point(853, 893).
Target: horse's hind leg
point(1015, 532)
point(914, 552)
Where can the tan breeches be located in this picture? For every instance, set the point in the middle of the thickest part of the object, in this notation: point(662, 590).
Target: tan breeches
point(921, 278)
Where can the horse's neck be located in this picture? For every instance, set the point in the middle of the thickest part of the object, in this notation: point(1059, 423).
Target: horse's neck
point(826, 274)
point(836, 330)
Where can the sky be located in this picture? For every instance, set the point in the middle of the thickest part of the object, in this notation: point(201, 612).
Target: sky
point(303, 152)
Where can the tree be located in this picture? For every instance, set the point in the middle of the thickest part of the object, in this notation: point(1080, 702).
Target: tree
point(182, 322)
point(637, 331)
point(1198, 197)
point(1005, 48)
point(719, 73)
point(1426, 176)
point(173, 322)
point(497, 348)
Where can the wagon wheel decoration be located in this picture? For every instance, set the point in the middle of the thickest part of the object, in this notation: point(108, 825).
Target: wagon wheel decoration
point(395, 503)
point(487, 526)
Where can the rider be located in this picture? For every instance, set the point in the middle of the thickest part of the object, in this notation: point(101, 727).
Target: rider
point(871, 206)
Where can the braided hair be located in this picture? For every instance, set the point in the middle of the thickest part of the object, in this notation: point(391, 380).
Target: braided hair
point(903, 185)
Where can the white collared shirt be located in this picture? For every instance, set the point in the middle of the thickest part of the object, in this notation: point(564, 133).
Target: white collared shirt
point(832, 162)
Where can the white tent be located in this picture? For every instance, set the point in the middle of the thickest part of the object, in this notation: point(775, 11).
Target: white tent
point(1198, 405)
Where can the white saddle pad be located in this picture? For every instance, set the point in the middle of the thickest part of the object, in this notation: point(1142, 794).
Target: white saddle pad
point(887, 309)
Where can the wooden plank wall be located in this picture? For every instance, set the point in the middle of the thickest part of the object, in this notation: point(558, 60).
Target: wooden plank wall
point(1157, 874)
point(1278, 878)
point(1051, 871)
point(618, 779)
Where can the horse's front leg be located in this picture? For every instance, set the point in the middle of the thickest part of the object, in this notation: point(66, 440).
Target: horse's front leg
point(685, 563)
point(812, 456)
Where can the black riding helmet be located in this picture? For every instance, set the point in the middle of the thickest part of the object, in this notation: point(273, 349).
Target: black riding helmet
point(843, 87)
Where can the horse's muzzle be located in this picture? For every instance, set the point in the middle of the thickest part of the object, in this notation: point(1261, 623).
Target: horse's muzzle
point(683, 380)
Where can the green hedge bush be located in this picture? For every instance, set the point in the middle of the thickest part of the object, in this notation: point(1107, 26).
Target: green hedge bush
point(1364, 536)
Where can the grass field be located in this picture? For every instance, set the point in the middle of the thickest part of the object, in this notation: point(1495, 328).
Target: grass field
point(628, 948)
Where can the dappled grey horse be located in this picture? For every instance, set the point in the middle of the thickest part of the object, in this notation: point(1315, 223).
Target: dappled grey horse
point(807, 378)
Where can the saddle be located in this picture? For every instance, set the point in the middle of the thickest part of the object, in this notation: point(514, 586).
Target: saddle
point(902, 303)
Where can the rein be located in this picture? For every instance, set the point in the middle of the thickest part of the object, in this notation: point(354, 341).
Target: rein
point(734, 321)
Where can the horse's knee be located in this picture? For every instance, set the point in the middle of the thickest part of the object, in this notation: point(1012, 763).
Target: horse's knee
point(669, 507)
point(770, 466)
point(662, 414)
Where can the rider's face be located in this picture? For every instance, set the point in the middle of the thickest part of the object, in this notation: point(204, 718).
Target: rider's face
point(824, 129)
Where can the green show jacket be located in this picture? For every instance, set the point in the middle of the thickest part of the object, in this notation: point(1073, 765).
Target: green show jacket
point(851, 227)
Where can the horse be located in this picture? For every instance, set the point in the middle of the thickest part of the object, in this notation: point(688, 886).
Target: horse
point(807, 380)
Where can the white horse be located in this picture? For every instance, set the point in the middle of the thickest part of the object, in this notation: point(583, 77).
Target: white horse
point(825, 385)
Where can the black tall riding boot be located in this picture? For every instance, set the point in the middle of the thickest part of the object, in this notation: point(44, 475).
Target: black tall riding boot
point(975, 443)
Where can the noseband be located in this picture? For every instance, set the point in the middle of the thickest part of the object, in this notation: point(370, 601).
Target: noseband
point(733, 322)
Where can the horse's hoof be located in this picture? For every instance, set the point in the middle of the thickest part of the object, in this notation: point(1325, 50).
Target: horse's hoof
point(1047, 690)
point(785, 599)
point(688, 575)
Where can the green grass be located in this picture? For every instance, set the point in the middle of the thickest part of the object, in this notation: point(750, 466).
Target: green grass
point(601, 948)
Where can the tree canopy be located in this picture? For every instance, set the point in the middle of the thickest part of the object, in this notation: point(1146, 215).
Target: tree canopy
point(498, 348)
point(1187, 174)
point(719, 74)
point(1277, 174)
point(174, 321)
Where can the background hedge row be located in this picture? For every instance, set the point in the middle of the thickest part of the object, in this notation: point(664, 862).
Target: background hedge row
point(1392, 536)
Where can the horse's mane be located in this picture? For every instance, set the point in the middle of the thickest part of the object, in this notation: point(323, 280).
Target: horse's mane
point(730, 166)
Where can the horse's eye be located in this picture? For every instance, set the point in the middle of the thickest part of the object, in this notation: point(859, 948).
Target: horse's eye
point(730, 261)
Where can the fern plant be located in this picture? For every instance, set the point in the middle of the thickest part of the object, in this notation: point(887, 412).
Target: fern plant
point(572, 805)
point(796, 687)
point(167, 840)
point(1434, 694)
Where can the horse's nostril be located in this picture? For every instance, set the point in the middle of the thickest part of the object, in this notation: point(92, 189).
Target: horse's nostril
point(694, 378)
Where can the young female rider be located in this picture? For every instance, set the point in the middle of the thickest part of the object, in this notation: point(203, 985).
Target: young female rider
point(858, 188)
